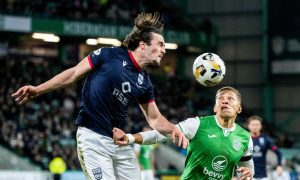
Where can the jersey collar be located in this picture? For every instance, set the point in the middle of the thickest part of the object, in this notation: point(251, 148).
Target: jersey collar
point(226, 131)
point(134, 61)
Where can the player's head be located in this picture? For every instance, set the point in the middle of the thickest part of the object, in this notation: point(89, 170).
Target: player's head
point(228, 102)
point(255, 124)
point(147, 37)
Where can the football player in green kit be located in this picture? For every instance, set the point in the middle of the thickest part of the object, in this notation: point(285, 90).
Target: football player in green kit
point(217, 143)
point(145, 155)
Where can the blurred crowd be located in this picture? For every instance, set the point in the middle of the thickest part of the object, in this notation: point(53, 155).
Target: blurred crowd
point(97, 10)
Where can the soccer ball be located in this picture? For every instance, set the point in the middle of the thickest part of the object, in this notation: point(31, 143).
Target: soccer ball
point(209, 69)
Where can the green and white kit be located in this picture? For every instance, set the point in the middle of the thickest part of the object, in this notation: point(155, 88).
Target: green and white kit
point(213, 150)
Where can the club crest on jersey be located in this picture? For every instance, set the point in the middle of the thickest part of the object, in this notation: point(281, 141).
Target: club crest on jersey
point(219, 163)
point(97, 52)
point(140, 79)
point(236, 145)
point(261, 141)
point(97, 173)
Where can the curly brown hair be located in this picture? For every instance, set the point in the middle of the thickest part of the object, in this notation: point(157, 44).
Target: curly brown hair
point(145, 24)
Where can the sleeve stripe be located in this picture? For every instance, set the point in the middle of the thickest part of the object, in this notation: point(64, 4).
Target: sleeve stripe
point(274, 148)
point(246, 158)
point(90, 61)
point(180, 127)
point(150, 101)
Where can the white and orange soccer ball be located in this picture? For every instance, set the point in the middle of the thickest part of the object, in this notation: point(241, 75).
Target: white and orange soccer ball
point(209, 69)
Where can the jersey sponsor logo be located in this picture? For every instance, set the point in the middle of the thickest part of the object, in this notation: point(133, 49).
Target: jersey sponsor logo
point(219, 163)
point(236, 144)
point(97, 52)
point(212, 174)
point(257, 151)
point(97, 173)
point(126, 87)
point(120, 96)
point(211, 136)
point(124, 63)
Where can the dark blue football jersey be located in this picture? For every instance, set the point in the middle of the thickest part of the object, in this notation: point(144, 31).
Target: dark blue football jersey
point(115, 81)
point(261, 144)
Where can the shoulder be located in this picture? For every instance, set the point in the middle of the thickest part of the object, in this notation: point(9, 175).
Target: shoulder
point(118, 50)
point(243, 131)
point(206, 118)
point(112, 50)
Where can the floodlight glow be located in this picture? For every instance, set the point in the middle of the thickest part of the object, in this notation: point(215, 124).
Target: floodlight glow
point(46, 37)
point(171, 46)
point(91, 41)
point(114, 42)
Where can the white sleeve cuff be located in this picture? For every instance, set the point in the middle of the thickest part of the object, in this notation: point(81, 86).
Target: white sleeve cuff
point(131, 139)
point(153, 137)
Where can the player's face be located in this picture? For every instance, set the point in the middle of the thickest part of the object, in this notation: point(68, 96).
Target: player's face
point(154, 52)
point(254, 126)
point(227, 105)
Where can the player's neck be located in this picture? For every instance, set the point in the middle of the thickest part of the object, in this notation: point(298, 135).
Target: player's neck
point(226, 122)
point(137, 57)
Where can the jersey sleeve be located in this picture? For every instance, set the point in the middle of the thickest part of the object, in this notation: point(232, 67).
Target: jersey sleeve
point(148, 96)
point(274, 148)
point(154, 137)
point(249, 151)
point(189, 127)
point(246, 160)
point(96, 58)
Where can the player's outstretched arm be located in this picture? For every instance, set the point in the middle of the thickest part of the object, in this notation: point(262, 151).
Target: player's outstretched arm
point(158, 122)
point(63, 79)
point(147, 137)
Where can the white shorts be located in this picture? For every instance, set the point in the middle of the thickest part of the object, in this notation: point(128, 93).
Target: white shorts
point(147, 174)
point(101, 159)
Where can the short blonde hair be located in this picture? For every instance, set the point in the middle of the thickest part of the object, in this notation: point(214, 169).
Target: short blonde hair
point(229, 88)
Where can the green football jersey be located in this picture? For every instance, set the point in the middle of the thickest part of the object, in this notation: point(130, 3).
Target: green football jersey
point(214, 151)
point(145, 156)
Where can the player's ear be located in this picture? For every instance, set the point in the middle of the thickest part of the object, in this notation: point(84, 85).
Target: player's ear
point(215, 109)
point(239, 109)
point(142, 45)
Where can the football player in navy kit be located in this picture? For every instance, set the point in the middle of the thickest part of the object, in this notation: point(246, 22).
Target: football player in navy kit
point(261, 143)
point(115, 77)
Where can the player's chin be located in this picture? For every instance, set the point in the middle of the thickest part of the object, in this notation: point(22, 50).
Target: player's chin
point(226, 115)
point(155, 63)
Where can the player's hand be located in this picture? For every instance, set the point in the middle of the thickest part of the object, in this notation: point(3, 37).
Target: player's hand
point(244, 173)
point(179, 136)
point(119, 137)
point(25, 94)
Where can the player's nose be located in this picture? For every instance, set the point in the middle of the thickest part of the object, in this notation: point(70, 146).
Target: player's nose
point(163, 50)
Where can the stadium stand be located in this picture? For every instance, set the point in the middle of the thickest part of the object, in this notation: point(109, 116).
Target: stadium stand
point(45, 128)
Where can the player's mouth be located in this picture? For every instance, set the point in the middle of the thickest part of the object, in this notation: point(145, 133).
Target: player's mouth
point(224, 108)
